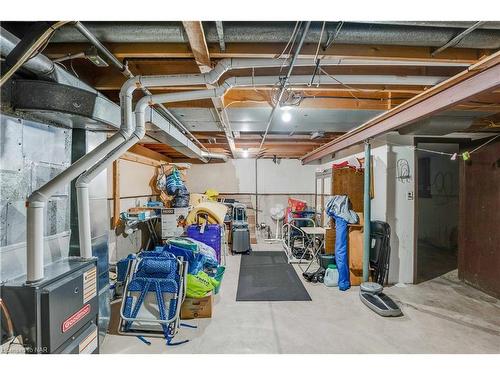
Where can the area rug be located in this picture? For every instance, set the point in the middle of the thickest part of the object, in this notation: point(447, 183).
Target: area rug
point(267, 276)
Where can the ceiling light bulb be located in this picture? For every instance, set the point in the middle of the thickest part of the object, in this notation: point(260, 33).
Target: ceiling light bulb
point(286, 116)
point(245, 153)
point(286, 107)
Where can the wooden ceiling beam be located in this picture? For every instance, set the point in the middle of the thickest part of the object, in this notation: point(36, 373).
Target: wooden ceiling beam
point(148, 153)
point(272, 50)
point(282, 149)
point(284, 144)
point(129, 156)
point(170, 66)
point(198, 44)
point(481, 78)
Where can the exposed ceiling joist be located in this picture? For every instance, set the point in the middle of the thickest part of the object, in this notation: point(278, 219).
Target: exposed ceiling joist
point(480, 78)
point(148, 153)
point(198, 44)
point(192, 46)
point(272, 50)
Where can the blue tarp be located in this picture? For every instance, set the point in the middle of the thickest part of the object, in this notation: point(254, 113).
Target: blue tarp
point(196, 260)
point(341, 257)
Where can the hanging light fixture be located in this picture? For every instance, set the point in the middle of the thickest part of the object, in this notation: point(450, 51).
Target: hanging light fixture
point(286, 116)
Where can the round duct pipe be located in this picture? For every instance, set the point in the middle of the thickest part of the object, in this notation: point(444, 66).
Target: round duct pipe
point(213, 155)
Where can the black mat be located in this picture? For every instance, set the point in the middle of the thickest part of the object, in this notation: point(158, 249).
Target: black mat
point(267, 276)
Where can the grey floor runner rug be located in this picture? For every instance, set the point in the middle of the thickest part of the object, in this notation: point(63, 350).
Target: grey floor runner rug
point(267, 276)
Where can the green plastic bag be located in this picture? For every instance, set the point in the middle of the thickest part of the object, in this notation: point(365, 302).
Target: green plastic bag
point(199, 285)
point(218, 277)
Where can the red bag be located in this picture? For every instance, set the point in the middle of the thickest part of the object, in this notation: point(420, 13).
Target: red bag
point(296, 204)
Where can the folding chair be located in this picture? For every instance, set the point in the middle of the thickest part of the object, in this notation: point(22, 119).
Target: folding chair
point(154, 291)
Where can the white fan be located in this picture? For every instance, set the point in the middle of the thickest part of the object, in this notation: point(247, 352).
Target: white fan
point(277, 214)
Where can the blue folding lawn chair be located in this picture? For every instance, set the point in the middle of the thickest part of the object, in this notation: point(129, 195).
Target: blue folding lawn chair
point(154, 290)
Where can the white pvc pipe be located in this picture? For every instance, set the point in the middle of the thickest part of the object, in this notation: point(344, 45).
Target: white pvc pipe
point(337, 79)
point(82, 188)
point(294, 80)
point(82, 183)
point(34, 230)
point(37, 200)
point(83, 210)
point(82, 194)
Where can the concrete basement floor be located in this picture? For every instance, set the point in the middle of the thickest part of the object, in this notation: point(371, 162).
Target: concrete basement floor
point(442, 315)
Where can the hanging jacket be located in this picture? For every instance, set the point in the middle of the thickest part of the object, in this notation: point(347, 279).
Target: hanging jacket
point(338, 205)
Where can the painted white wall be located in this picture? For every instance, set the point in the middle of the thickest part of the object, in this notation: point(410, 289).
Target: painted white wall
point(234, 176)
point(390, 202)
point(276, 182)
point(400, 210)
point(238, 176)
point(135, 179)
point(290, 176)
point(135, 190)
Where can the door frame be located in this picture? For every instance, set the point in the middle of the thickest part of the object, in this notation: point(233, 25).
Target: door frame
point(416, 140)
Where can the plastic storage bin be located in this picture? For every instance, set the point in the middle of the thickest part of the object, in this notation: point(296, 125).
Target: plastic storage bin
point(325, 260)
point(331, 276)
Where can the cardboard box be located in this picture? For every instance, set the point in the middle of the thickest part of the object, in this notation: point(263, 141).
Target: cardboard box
point(329, 241)
point(355, 249)
point(361, 217)
point(193, 308)
point(172, 221)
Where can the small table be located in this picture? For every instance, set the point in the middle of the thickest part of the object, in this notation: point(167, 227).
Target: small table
point(151, 223)
point(312, 233)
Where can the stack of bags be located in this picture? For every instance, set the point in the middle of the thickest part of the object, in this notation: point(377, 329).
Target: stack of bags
point(172, 188)
point(204, 272)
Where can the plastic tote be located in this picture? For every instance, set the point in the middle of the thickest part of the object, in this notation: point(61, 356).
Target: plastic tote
point(331, 276)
